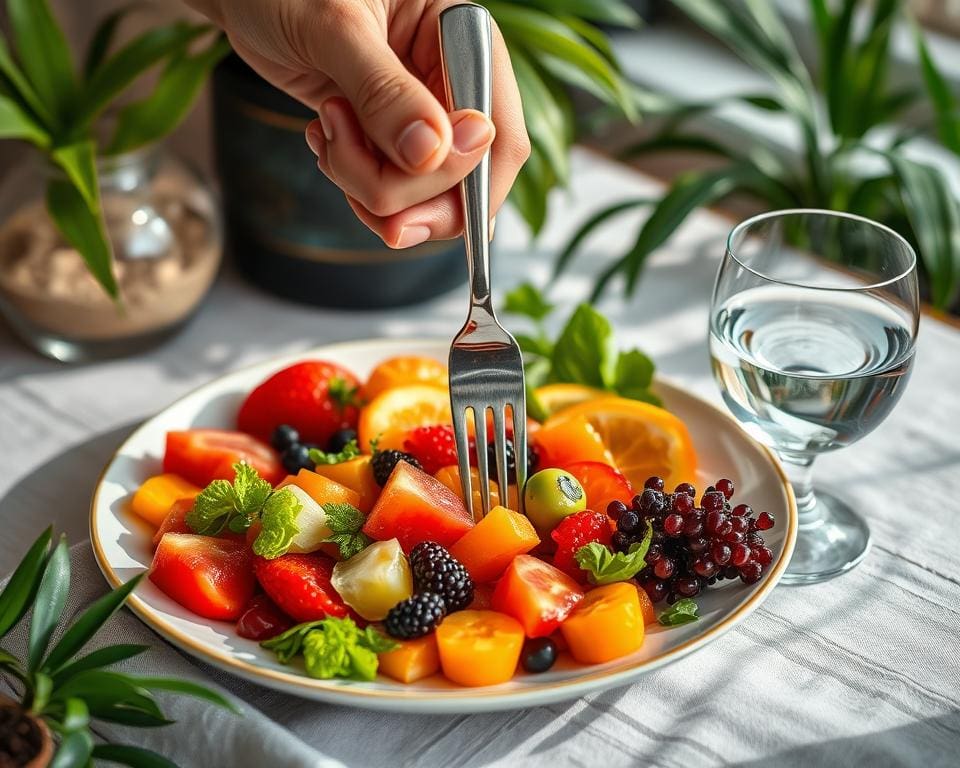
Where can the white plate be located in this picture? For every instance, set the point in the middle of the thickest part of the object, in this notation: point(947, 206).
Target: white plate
point(122, 544)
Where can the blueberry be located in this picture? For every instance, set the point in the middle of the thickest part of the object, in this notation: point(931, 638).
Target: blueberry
point(296, 457)
point(339, 439)
point(539, 654)
point(284, 437)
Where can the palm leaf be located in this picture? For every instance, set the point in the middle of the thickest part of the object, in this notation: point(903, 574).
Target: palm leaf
point(528, 194)
point(102, 657)
point(545, 121)
point(48, 604)
point(74, 751)
point(15, 123)
point(187, 688)
point(21, 87)
point(134, 757)
point(587, 228)
point(103, 37)
point(603, 11)
point(19, 593)
point(944, 104)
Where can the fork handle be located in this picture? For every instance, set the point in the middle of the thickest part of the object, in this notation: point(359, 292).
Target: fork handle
point(467, 55)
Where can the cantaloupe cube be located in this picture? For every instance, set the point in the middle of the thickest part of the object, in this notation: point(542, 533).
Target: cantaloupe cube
point(489, 547)
point(412, 661)
point(153, 499)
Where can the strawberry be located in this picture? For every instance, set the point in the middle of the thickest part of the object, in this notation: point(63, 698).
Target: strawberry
point(315, 397)
point(300, 586)
point(577, 531)
point(434, 447)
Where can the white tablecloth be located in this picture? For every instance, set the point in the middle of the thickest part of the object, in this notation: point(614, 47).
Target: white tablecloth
point(862, 670)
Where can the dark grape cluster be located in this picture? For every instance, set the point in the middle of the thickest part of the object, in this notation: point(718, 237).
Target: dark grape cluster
point(693, 546)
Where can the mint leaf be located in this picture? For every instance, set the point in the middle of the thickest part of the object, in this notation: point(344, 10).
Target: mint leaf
point(212, 508)
point(527, 300)
point(249, 489)
point(288, 644)
point(342, 393)
point(346, 523)
point(332, 648)
point(681, 612)
point(585, 352)
point(605, 566)
point(350, 451)
point(278, 524)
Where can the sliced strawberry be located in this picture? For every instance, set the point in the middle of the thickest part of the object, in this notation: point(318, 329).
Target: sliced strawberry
point(435, 447)
point(577, 531)
point(211, 577)
point(176, 522)
point(315, 397)
point(262, 620)
point(300, 586)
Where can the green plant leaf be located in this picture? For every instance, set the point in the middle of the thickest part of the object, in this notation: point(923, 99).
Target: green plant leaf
point(154, 117)
point(15, 123)
point(114, 697)
point(612, 12)
point(117, 72)
point(83, 229)
point(587, 228)
point(16, 597)
point(673, 142)
point(933, 213)
point(11, 664)
point(48, 605)
point(134, 757)
point(634, 374)
point(187, 688)
point(605, 566)
point(592, 35)
point(689, 191)
point(681, 612)
point(44, 53)
point(529, 192)
point(103, 37)
point(102, 657)
point(545, 121)
point(941, 97)
point(22, 89)
point(75, 715)
point(74, 751)
point(542, 32)
point(79, 162)
point(42, 687)
point(87, 625)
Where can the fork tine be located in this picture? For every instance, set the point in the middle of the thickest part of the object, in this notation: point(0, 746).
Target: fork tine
point(519, 411)
point(500, 440)
point(480, 422)
point(463, 455)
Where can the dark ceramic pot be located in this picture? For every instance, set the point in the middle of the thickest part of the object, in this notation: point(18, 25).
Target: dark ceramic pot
point(288, 227)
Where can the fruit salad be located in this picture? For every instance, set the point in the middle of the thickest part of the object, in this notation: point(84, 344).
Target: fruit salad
point(330, 527)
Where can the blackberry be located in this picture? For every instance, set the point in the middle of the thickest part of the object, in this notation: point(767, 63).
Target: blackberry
point(436, 570)
point(533, 459)
point(384, 461)
point(416, 616)
point(339, 440)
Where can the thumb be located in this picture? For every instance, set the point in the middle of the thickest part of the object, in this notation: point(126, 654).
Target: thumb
point(397, 111)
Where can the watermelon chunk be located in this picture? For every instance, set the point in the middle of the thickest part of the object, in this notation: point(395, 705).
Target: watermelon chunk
point(211, 577)
point(415, 507)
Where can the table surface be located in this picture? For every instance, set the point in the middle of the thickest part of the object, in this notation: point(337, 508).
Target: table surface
point(864, 669)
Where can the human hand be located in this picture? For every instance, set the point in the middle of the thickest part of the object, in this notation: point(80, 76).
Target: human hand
point(371, 69)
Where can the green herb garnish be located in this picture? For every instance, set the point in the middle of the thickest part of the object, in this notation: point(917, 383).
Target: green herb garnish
point(346, 526)
point(235, 505)
point(332, 648)
point(278, 524)
point(681, 612)
point(350, 451)
point(605, 566)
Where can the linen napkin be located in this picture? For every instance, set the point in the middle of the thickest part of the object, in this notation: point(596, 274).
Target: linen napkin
point(203, 735)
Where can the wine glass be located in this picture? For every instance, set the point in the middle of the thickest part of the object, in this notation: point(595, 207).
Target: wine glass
point(813, 323)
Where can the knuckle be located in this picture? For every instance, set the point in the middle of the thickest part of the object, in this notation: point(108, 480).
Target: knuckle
point(376, 199)
point(378, 91)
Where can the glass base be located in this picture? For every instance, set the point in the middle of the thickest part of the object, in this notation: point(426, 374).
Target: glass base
point(831, 539)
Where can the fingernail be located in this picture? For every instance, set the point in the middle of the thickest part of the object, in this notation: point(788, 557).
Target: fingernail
point(471, 133)
point(315, 137)
point(418, 143)
point(412, 235)
point(326, 121)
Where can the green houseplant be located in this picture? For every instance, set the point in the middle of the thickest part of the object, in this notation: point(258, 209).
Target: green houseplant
point(62, 692)
point(88, 133)
point(846, 109)
point(291, 231)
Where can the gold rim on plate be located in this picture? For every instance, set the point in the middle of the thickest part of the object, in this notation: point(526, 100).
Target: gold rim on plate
point(342, 691)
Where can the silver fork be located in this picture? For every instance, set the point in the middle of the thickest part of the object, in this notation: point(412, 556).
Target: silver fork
point(486, 369)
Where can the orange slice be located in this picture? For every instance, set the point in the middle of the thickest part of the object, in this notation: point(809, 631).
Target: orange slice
point(393, 413)
point(555, 397)
point(404, 371)
point(642, 439)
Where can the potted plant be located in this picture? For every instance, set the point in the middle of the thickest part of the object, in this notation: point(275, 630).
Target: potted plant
point(292, 231)
point(62, 692)
point(855, 155)
point(107, 243)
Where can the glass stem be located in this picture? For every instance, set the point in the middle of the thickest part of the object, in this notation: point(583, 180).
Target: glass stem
point(799, 469)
